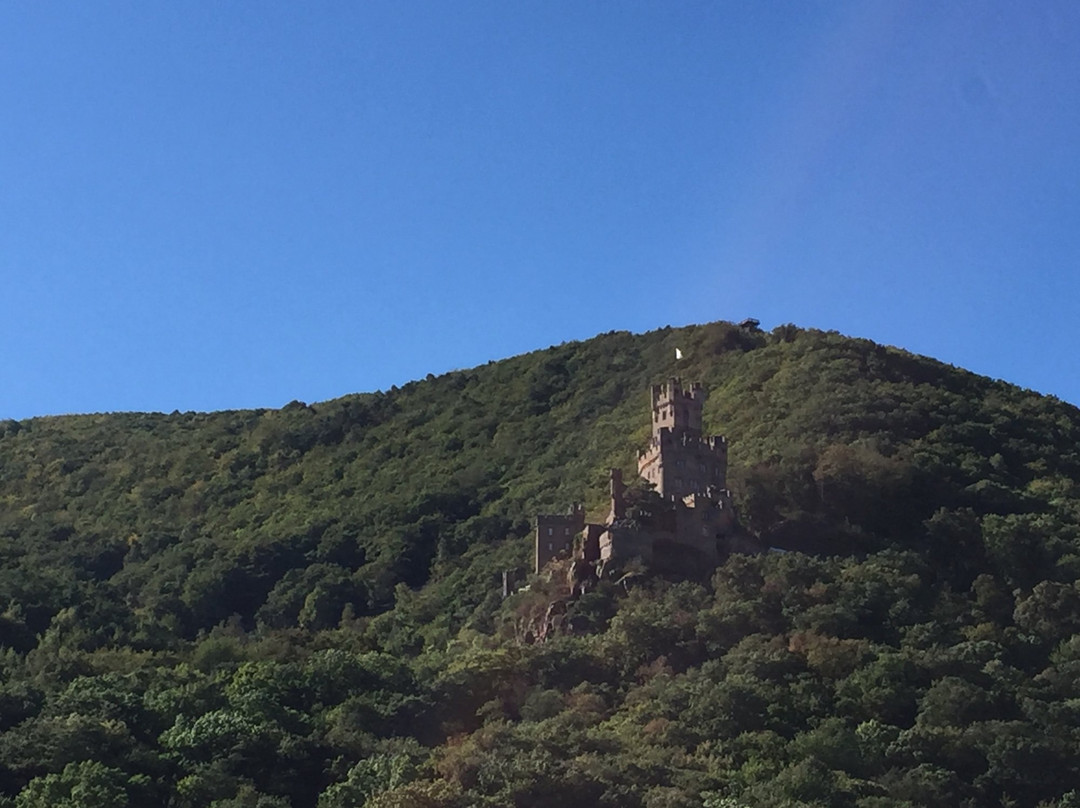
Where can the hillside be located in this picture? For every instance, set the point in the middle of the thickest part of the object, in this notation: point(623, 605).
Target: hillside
point(302, 606)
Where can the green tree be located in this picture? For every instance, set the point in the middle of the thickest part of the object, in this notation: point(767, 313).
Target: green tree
point(86, 784)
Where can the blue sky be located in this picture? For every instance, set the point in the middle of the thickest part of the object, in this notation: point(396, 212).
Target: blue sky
point(224, 205)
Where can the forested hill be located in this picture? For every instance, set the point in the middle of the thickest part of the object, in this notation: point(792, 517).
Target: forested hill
point(302, 606)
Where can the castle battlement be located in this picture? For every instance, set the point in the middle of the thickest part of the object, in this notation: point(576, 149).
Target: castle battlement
point(673, 389)
point(712, 443)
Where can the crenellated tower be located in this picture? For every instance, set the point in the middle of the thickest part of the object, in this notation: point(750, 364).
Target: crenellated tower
point(679, 461)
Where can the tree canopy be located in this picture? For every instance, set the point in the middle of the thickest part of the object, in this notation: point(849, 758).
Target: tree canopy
point(303, 607)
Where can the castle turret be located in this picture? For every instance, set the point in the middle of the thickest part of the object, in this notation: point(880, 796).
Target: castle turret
point(618, 496)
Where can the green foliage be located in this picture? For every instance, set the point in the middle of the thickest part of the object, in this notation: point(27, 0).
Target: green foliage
point(88, 784)
point(302, 607)
point(370, 777)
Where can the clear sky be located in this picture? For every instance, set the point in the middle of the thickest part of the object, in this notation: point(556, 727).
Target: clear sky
point(222, 205)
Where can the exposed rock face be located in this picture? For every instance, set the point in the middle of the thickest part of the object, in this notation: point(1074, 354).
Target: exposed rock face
point(581, 577)
point(538, 630)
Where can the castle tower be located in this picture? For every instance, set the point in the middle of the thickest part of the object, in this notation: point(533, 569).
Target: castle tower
point(679, 462)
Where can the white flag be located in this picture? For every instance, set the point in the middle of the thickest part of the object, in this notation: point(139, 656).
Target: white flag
point(678, 354)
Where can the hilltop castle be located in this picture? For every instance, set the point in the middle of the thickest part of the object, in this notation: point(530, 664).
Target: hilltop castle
point(679, 520)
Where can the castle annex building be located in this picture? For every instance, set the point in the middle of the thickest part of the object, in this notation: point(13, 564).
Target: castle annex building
point(683, 523)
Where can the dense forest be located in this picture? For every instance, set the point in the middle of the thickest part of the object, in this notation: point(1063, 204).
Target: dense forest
point(303, 607)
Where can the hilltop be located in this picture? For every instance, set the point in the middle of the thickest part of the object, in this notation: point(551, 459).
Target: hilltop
point(301, 606)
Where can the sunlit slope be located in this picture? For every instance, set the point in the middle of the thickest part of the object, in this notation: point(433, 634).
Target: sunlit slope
point(283, 517)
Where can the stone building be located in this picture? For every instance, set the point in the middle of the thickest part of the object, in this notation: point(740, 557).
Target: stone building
point(680, 521)
point(555, 534)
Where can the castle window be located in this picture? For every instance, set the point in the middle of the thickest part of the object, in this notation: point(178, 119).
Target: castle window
point(566, 531)
point(551, 547)
point(550, 533)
